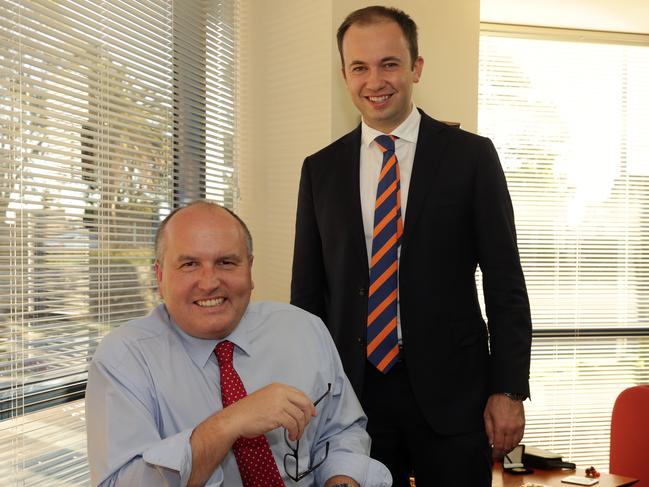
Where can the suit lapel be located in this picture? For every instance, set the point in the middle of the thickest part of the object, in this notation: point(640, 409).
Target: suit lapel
point(351, 170)
point(430, 145)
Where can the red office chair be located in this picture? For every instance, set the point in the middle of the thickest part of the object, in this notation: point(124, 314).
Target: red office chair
point(629, 455)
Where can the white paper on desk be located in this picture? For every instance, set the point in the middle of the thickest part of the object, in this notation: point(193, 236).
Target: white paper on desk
point(577, 480)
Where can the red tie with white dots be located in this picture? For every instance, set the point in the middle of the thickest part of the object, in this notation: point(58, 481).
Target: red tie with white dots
point(254, 457)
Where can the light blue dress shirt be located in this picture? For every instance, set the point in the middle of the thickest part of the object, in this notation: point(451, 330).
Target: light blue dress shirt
point(150, 384)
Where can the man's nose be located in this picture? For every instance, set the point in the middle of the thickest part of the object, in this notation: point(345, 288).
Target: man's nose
point(374, 79)
point(209, 278)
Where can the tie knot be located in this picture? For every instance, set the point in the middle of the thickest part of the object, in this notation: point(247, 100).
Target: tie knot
point(224, 351)
point(386, 142)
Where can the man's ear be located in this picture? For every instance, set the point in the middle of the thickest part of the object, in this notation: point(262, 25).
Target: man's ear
point(157, 267)
point(417, 68)
point(250, 259)
point(342, 71)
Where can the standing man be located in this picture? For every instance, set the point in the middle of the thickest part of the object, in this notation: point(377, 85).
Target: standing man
point(211, 389)
point(392, 220)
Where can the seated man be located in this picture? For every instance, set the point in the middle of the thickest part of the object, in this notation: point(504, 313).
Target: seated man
point(210, 389)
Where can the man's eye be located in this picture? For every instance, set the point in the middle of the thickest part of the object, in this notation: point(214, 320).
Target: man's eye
point(188, 265)
point(390, 65)
point(358, 69)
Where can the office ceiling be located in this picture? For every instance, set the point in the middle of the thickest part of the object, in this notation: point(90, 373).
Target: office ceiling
point(610, 15)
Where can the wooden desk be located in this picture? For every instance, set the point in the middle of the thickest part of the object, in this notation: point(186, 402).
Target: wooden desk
point(552, 478)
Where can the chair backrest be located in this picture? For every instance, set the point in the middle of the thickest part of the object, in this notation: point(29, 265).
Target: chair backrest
point(629, 454)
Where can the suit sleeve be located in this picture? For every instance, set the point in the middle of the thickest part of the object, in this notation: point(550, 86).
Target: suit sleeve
point(308, 282)
point(506, 300)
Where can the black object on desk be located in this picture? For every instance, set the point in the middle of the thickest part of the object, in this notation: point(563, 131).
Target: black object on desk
point(545, 459)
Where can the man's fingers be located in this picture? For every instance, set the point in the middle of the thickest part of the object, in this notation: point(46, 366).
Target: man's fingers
point(292, 426)
point(301, 409)
point(504, 423)
point(295, 420)
point(519, 435)
point(498, 441)
point(302, 401)
point(508, 437)
point(273, 406)
point(489, 428)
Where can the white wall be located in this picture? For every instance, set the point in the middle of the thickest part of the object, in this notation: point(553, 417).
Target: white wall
point(609, 15)
point(285, 101)
point(294, 102)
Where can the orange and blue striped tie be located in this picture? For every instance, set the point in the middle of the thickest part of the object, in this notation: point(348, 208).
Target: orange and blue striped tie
point(382, 341)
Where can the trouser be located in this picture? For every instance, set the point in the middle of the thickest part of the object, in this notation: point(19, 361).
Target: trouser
point(405, 443)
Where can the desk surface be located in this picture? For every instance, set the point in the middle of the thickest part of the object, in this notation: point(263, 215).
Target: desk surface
point(552, 478)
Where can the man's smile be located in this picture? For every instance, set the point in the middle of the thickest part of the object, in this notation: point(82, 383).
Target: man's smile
point(378, 99)
point(206, 303)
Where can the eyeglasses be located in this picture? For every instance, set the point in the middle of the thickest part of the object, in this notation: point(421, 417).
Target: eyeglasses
point(294, 451)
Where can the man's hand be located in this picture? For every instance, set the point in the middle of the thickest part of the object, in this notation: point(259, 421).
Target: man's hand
point(504, 422)
point(341, 479)
point(262, 411)
point(273, 406)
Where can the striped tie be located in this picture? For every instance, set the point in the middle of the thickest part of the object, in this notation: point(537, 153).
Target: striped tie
point(382, 342)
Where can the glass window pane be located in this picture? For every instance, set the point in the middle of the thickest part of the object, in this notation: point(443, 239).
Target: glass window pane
point(566, 114)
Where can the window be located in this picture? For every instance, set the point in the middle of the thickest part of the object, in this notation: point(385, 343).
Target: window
point(569, 113)
point(205, 74)
point(109, 113)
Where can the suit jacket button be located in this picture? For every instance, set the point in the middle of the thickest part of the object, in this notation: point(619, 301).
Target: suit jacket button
point(362, 291)
point(361, 340)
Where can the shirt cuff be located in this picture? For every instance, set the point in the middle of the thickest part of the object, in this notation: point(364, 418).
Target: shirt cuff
point(175, 453)
point(363, 469)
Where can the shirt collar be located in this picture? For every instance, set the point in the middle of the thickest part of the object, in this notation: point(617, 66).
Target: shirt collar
point(408, 130)
point(200, 349)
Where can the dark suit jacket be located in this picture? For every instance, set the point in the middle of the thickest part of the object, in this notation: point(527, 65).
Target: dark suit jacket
point(459, 214)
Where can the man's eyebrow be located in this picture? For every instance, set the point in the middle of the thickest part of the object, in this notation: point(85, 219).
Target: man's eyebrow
point(391, 58)
point(383, 60)
point(184, 258)
point(234, 257)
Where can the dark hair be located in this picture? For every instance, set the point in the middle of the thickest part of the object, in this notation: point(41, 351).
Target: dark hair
point(159, 236)
point(376, 14)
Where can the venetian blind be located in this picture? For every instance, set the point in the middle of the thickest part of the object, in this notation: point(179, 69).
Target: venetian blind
point(94, 117)
point(86, 122)
point(569, 114)
point(205, 75)
point(220, 103)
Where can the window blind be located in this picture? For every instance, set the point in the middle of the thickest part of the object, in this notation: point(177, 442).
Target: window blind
point(568, 112)
point(205, 74)
point(95, 124)
point(85, 116)
point(221, 73)
point(86, 125)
